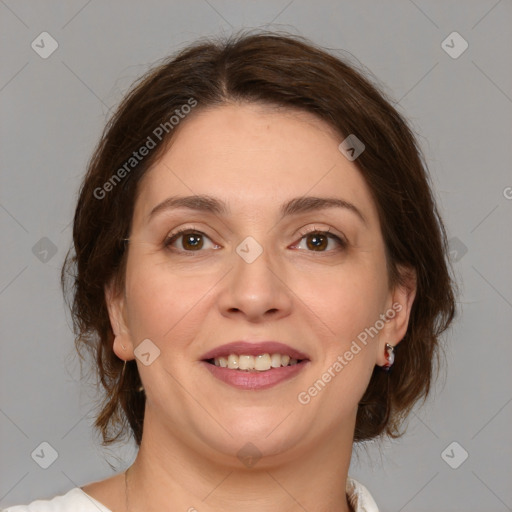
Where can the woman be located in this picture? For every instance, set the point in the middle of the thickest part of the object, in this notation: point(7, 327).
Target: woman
point(261, 275)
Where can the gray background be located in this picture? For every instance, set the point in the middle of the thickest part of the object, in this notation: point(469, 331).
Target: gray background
point(53, 111)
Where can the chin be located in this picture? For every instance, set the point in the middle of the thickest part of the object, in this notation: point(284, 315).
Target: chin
point(254, 447)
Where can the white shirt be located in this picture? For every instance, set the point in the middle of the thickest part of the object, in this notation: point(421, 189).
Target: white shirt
point(77, 500)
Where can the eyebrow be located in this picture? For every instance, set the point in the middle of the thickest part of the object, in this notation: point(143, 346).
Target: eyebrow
point(295, 206)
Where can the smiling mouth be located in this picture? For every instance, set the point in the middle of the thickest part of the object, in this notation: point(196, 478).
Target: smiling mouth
point(259, 363)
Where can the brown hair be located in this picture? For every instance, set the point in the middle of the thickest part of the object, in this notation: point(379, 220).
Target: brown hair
point(288, 71)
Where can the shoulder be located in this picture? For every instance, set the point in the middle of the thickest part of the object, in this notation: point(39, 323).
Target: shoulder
point(74, 500)
point(359, 497)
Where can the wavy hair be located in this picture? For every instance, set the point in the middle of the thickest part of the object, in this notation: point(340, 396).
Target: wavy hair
point(288, 71)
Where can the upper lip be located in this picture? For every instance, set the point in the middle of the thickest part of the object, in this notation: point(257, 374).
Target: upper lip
point(254, 349)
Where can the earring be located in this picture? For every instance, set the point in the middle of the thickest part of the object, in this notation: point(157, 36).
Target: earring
point(390, 356)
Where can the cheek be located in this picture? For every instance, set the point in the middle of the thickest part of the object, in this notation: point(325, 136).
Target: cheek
point(348, 306)
point(160, 301)
point(346, 300)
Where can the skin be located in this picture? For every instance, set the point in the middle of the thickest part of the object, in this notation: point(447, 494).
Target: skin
point(254, 158)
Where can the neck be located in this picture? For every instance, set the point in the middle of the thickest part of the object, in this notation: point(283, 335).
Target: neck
point(169, 474)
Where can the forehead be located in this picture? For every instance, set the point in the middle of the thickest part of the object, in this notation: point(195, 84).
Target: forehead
point(253, 157)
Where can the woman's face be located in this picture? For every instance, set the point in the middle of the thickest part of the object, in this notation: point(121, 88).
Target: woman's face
point(262, 270)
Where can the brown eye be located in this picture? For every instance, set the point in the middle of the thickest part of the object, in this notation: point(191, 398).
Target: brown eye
point(318, 241)
point(192, 241)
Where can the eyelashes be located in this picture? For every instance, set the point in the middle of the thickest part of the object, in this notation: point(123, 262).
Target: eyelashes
point(342, 243)
point(319, 239)
point(192, 234)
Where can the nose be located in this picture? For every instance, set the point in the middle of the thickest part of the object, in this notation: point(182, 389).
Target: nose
point(256, 290)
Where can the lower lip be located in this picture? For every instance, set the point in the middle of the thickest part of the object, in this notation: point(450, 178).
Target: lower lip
point(254, 379)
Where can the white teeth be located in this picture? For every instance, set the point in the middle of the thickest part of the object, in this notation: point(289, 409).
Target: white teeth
point(275, 360)
point(245, 362)
point(261, 362)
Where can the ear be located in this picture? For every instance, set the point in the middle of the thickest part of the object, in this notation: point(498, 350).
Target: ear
point(398, 312)
point(116, 305)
